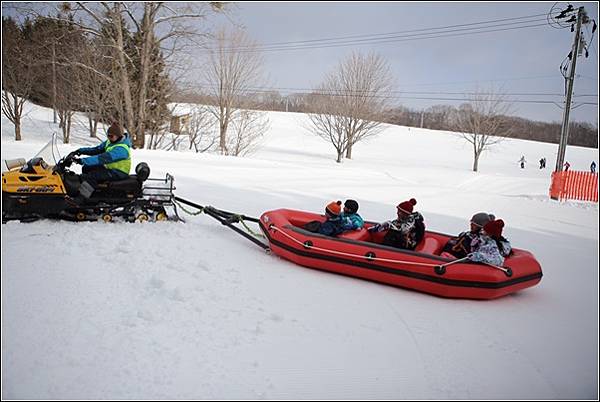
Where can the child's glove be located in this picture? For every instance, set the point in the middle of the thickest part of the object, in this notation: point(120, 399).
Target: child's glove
point(379, 227)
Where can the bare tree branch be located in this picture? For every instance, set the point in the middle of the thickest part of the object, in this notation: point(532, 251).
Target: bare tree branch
point(349, 105)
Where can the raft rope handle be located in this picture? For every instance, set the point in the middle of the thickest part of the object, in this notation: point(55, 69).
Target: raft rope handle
point(442, 268)
point(310, 246)
point(439, 269)
point(507, 271)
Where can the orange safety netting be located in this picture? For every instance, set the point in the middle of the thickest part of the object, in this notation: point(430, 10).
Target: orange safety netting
point(574, 185)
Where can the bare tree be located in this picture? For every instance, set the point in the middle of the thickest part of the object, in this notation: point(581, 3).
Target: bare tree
point(97, 95)
point(17, 73)
point(356, 96)
point(201, 129)
point(234, 68)
point(328, 126)
point(158, 24)
point(482, 122)
point(248, 127)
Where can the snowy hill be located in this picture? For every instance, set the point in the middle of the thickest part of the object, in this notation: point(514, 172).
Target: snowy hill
point(194, 311)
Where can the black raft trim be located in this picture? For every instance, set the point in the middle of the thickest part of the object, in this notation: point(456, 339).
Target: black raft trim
point(400, 272)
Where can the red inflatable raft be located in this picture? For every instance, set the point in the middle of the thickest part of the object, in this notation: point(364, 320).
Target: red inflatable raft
point(357, 253)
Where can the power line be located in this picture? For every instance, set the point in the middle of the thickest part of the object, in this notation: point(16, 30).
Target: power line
point(400, 97)
point(388, 35)
point(398, 36)
point(312, 90)
point(478, 81)
point(405, 38)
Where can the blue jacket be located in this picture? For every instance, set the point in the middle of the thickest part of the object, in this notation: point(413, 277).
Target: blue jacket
point(101, 157)
point(352, 221)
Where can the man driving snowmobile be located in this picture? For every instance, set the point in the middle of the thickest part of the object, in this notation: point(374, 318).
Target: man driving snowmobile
point(109, 161)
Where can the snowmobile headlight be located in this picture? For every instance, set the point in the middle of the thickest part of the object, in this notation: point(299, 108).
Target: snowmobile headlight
point(15, 163)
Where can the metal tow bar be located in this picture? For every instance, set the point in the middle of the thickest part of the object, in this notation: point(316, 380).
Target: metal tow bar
point(228, 219)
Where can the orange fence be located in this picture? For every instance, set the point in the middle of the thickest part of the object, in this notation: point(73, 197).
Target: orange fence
point(574, 185)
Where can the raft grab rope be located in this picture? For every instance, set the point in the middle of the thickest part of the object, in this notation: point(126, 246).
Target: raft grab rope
point(370, 256)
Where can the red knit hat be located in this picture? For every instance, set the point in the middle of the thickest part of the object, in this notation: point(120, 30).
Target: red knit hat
point(407, 206)
point(334, 208)
point(494, 228)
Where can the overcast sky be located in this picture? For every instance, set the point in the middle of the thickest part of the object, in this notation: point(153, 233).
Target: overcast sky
point(515, 61)
point(521, 55)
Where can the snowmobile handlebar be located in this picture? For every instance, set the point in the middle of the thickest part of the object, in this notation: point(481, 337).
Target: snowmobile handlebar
point(64, 163)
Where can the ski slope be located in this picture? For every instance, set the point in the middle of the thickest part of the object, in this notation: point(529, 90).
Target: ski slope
point(194, 311)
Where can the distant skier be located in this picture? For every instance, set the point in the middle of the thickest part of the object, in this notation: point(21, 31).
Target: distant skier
point(542, 163)
point(522, 161)
point(567, 166)
point(593, 167)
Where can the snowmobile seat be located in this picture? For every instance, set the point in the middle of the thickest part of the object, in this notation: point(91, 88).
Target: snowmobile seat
point(129, 185)
point(132, 184)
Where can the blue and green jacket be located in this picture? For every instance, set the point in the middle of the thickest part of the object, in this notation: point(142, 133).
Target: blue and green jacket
point(352, 221)
point(115, 156)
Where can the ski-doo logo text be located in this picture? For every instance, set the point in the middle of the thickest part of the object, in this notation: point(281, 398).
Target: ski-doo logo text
point(40, 189)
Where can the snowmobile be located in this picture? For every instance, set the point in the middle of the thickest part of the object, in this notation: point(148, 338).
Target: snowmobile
point(39, 189)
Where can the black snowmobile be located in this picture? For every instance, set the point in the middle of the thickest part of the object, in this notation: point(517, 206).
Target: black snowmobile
point(36, 189)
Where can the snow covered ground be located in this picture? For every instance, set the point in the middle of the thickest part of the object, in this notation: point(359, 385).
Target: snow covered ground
point(194, 311)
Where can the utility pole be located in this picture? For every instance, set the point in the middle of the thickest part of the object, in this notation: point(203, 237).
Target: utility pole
point(422, 113)
point(564, 132)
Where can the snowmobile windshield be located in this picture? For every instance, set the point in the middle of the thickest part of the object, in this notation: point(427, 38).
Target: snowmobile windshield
point(49, 152)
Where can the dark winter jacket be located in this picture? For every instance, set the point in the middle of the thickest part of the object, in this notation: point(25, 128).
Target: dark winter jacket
point(332, 226)
point(403, 233)
point(460, 246)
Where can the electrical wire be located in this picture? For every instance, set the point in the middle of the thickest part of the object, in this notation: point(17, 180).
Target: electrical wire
point(329, 42)
point(391, 92)
point(400, 97)
point(387, 41)
point(317, 43)
point(364, 36)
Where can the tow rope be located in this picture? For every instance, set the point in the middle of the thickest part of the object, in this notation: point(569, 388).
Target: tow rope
point(228, 219)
